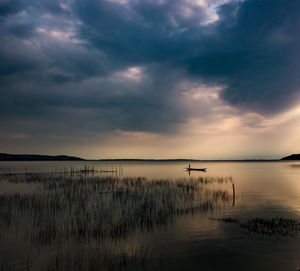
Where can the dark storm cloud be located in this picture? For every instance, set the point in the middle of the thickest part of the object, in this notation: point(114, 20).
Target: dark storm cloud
point(142, 32)
point(63, 59)
point(95, 104)
point(253, 49)
point(8, 7)
point(12, 7)
point(21, 30)
point(256, 54)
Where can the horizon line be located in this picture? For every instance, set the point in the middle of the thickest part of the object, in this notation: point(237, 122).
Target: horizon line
point(148, 159)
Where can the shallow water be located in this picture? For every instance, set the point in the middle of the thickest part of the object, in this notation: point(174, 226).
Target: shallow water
point(192, 240)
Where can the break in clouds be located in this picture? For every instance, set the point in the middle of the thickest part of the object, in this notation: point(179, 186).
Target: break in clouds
point(93, 68)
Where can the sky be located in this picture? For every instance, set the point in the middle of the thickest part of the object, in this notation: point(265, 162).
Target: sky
point(201, 79)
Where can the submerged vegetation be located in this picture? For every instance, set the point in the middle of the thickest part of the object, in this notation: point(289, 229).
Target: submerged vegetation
point(79, 221)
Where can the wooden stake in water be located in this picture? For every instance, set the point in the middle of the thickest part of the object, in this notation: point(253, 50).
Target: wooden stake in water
point(233, 195)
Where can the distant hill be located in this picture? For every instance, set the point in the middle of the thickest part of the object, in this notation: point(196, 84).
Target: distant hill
point(292, 157)
point(37, 157)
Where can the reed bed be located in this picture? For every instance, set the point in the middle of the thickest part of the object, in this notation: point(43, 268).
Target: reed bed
point(87, 211)
point(275, 227)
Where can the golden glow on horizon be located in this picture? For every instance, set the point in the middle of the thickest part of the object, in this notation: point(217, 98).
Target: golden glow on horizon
point(211, 130)
point(229, 137)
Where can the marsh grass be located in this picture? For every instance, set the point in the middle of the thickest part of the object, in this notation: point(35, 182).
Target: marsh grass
point(275, 227)
point(24, 264)
point(90, 213)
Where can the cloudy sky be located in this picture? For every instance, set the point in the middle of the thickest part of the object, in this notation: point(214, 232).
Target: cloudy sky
point(207, 79)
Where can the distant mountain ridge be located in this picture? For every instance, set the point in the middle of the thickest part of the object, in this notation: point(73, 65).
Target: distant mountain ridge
point(37, 157)
point(292, 157)
point(40, 157)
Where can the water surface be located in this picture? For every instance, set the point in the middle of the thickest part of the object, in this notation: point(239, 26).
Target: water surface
point(181, 233)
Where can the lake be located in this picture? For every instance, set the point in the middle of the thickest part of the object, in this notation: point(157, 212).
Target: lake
point(149, 215)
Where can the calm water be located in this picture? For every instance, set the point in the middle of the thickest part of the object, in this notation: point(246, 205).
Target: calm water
point(192, 240)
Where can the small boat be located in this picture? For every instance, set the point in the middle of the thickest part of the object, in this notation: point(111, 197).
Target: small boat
point(195, 169)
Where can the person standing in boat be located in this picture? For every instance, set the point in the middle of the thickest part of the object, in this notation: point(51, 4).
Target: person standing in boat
point(189, 166)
